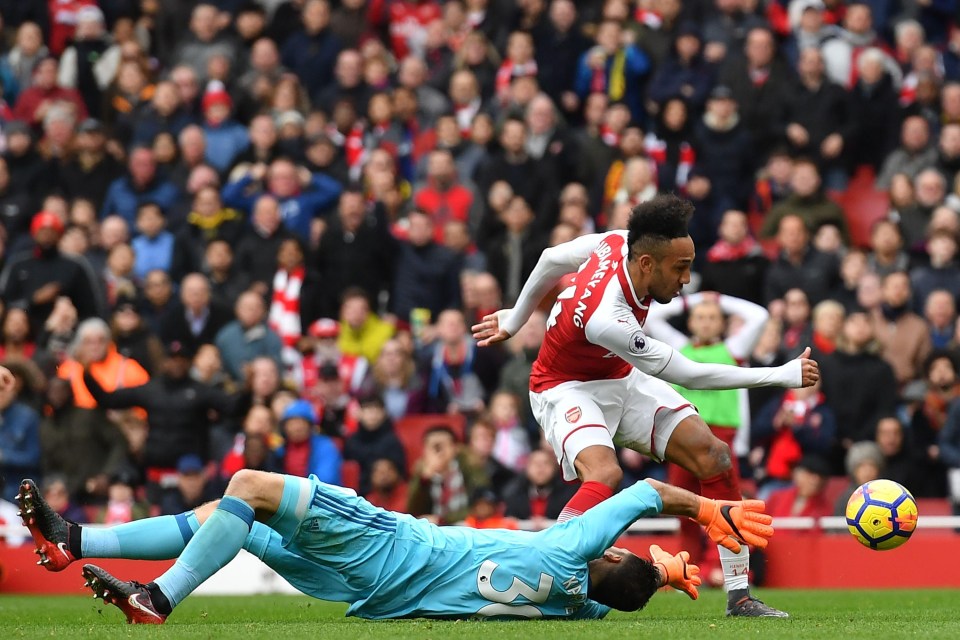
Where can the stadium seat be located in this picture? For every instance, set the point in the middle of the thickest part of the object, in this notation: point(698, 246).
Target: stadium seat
point(410, 430)
point(863, 204)
point(836, 485)
point(350, 474)
point(934, 507)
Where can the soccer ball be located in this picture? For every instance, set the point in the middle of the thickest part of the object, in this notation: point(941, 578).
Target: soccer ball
point(881, 515)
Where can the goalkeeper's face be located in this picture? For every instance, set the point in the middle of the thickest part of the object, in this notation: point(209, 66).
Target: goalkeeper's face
point(622, 580)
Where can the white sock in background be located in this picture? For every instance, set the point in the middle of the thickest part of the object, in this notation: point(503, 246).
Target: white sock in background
point(735, 567)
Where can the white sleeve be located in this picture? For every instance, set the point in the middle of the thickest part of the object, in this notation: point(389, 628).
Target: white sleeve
point(554, 263)
point(67, 70)
point(656, 358)
point(657, 324)
point(754, 320)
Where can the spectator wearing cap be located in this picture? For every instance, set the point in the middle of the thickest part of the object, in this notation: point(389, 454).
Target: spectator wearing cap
point(88, 170)
point(247, 337)
point(303, 197)
point(39, 277)
point(374, 440)
point(805, 497)
point(89, 64)
point(198, 318)
point(305, 451)
point(684, 73)
point(226, 138)
point(132, 336)
point(141, 184)
point(311, 52)
point(78, 443)
point(179, 413)
point(193, 487)
point(34, 102)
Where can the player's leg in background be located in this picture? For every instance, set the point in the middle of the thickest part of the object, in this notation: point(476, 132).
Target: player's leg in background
point(694, 447)
point(691, 534)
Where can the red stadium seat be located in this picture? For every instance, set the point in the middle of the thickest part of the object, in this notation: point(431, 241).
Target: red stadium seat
point(863, 204)
point(410, 430)
point(934, 507)
point(350, 474)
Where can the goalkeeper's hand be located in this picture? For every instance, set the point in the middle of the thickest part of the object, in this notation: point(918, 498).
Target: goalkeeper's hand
point(678, 572)
point(730, 523)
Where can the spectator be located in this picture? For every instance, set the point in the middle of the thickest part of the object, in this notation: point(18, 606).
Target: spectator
point(805, 497)
point(799, 265)
point(548, 142)
point(362, 332)
point(302, 196)
point(348, 85)
point(158, 301)
point(874, 103)
point(374, 440)
point(820, 121)
point(395, 375)
point(684, 74)
point(613, 68)
point(257, 249)
point(759, 83)
point(90, 62)
point(141, 184)
point(671, 146)
point(930, 187)
point(864, 462)
point(486, 512)
point(247, 337)
point(208, 220)
point(225, 137)
point(122, 505)
point(17, 342)
point(912, 156)
point(387, 488)
point(942, 273)
point(886, 244)
point(899, 463)
point(132, 337)
point(512, 445)
point(16, 205)
point(38, 278)
point(940, 313)
point(254, 447)
point(797, 424)
point(808, 28)
point(183, 408)
point(539, 494)
point(43, 93)
point(443, 197)
point(28, 50)
point(164, 114)
point(806, 201)
point(857, 384)
point(440, 485)
point(426, 274)
point(56, 495)
point(312, 51)
point(154, 245)
point(305, 451)
point(20, 452)
point(197, 319)
point(293, 304)
point(204, 40)
point(514, 252)
point(735, 265)
point(828, 318)
point(193, 487)
point(840, 53)
point(902, 334)
point(453, 385)
point(725, 29)
point(320, 349)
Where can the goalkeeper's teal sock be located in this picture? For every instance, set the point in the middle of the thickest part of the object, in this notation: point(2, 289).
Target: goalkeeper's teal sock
point(159, 538)
point(215, 544)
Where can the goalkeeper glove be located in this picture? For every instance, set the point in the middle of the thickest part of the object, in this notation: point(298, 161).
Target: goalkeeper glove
point(677, 570)
point(730, 523)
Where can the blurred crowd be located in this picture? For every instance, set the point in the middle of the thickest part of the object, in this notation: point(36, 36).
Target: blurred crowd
point(254, 234)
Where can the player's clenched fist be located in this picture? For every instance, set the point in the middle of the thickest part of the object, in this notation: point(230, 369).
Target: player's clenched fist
point(678, 571)
point(730, 523)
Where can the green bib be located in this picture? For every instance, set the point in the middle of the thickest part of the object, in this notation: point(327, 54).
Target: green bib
point(717, 408)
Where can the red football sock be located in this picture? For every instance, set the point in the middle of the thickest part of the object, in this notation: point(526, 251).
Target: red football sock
point(723, 486)
point(589, 495)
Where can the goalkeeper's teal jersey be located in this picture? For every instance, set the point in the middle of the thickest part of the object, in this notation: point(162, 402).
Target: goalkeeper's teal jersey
point(390, 565)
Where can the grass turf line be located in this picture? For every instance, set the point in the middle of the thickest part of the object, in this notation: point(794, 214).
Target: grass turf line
point(852, 615)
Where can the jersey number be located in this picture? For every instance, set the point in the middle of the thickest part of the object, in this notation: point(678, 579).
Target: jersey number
point(502, 599)
point(566, 294)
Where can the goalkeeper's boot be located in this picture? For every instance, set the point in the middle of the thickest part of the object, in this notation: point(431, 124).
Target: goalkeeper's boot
point(51, 533)
point(133, 598)
point(749, 607)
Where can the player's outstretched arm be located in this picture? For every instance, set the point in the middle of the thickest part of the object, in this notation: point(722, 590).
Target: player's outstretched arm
point(727, 523)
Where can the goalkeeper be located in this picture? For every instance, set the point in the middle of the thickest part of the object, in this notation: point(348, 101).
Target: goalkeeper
point(333, 545)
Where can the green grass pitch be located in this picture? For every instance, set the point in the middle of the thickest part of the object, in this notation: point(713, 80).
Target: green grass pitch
point(837, 615)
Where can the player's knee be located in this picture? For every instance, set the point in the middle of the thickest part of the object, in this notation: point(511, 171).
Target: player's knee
point(244, 484)
point(716, 459)
point(610, 475)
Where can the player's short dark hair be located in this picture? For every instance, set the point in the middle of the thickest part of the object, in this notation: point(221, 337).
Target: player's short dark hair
point(627, 585)
point(656, 222)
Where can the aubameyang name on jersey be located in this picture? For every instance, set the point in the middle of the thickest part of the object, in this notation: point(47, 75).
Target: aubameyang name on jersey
point(603, 253)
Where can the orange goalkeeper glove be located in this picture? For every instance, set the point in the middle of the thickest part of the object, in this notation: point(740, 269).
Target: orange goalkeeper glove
point(730, 523)
point(678, 572)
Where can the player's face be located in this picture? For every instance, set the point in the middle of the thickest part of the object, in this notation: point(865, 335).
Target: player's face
point(672, 271)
